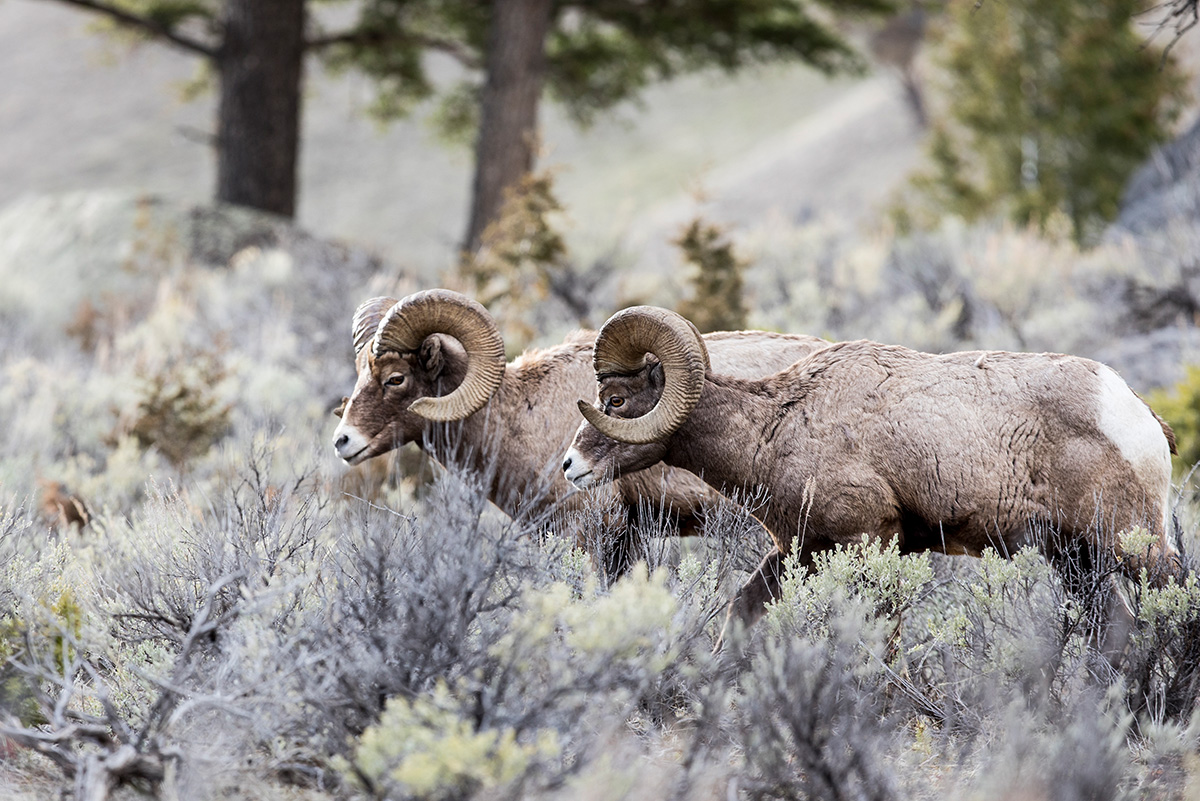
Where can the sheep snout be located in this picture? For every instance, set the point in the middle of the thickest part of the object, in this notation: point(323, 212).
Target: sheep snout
point(349, 443)
point(577, 469)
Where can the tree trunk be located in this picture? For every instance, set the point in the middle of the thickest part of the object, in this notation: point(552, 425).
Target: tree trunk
point(516, 73)
point(258, 127)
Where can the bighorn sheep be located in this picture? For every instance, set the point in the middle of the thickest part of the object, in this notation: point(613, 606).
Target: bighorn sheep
point(954, 453)
point(437, 357)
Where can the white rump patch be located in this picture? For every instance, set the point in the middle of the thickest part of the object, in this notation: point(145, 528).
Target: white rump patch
point(1129, 424)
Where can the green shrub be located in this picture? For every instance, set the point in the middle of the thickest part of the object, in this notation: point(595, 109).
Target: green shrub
point(16, 689)
point(429, 748)
point(1180, 406)
point(44, 635)
point(874, 575)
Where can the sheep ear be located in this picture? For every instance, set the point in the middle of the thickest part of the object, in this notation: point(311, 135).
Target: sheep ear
point(655, 373)
point(430, 356)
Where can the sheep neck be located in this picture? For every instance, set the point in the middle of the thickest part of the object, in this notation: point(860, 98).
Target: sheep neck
point(726, 440)
point(511, 444)
point(722, 438)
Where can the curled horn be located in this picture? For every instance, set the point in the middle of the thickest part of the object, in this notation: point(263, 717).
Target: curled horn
point(439, 311)
point(366, 320)
point(621, 347)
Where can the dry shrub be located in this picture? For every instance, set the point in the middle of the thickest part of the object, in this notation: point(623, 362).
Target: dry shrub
point(180, 411)
point(716, 302)
point(815, 721)
point(518, 257)
point(267, 634)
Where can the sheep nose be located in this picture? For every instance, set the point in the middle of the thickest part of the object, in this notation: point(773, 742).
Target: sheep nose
point(341, 441)
point(567, 464)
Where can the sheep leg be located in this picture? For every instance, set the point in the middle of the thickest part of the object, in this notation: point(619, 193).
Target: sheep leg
point(751, 600)
point(620, 549)
point(1091, 579)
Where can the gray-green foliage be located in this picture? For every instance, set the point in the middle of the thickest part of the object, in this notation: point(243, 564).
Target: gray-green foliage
point(259, 616)
point(438, 651)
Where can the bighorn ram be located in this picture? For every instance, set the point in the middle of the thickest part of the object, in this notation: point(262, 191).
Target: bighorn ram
point(953, 453)
point(437, 357)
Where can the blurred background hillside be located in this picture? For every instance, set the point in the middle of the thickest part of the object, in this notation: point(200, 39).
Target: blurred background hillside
point(89, 112)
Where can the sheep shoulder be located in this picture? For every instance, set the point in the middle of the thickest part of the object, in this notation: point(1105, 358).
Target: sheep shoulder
point(871, 377)
point(527, 373)
point(753, 354)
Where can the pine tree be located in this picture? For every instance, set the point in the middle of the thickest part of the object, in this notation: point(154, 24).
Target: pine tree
point(254, 52)
point(588, 56)
point(596, 55)
point(1049, 107)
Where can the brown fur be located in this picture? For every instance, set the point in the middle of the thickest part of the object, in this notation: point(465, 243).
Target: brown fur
point(531, 418)
point(955, 453)
point(61, 507)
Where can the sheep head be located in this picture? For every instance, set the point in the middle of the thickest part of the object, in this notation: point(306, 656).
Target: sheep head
point(433, 356)
point(650, 365)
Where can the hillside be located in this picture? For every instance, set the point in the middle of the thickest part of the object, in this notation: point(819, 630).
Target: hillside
point(82, 111)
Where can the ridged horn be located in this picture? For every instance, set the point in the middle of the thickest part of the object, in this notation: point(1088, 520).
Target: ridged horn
point(621, 347)
point(439, 311)
point(366, 320)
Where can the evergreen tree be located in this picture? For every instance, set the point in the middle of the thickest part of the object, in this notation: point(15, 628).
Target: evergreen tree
point(255, 50)
point(588, 55)
point(597, 54)
point(1049, 107)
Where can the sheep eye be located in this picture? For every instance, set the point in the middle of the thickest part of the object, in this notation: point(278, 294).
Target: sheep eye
point(616, 402)
point(394, 380)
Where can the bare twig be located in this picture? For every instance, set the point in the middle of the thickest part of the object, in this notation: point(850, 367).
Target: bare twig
point(147, 25)
point(169, 696)
point(1179, 15)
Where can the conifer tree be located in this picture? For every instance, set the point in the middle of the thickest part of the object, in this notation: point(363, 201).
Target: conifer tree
point(1048, 108)
point(254, 52)
point(590, 56)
